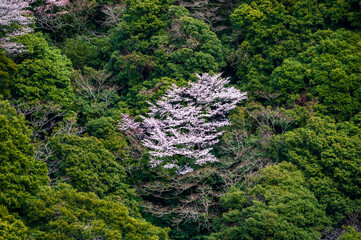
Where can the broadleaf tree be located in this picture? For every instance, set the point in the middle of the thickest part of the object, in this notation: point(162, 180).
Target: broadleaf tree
point(182, 126)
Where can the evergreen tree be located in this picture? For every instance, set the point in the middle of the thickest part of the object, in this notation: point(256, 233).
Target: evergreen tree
point(43, 73)
point(330, 157)
point(20, 174)
point(62, 212)
point(7, 74)
point(84, 163)
point(277, 205)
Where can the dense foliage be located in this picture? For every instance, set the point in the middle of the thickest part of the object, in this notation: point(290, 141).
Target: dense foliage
point(21, 175)
point(86, 164)
point(43, 73)
point(63, 213)
point(277, 205)
point(128, 119)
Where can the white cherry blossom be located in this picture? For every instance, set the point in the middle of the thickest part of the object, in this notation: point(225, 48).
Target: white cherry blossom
point(185, 122)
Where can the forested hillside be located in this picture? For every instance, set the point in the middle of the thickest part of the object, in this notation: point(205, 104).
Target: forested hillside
point(180, 119)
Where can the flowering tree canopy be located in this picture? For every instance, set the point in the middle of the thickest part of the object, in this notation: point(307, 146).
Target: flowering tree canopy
point(183, 125)
point(14, 21)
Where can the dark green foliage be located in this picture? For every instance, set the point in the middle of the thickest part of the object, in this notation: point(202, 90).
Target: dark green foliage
point(102, 127)
point(278, 205)
point(328, 70)
point(145, 67)
point(357, 120)
point(199, 49)
point(106, 129)
point(20, 174)
point(269, 32)
point(214, 12)
point(75, 17)
point(186, 203)
point(243, 146)
point(138, 96)
point(181, 47)
point(10, 227)
point(43, 73)
point(81, 52)
point(354, 12)
point(96, 94)
point(7, 74)
point(63, 213)
point(190, 202)
point(143, 19)
point(132, 59)
point(329, 154)
point(84, 163)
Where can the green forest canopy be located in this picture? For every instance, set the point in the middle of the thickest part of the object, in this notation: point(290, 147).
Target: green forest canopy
point(289, 165)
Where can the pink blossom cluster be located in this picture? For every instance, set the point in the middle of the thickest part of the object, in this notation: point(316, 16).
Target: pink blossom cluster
point(58, 3)
point(49, 7)
point(14, 15)
point(185, 122)
point(131, 127)
point(13, 11)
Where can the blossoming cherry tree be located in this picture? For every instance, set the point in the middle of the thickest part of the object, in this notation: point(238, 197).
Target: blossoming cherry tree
point(183, 126)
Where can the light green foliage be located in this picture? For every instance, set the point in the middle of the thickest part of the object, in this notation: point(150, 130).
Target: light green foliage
point(63, 213)
point(7, 74)
point(43, 73)
point(20, 174)
point(84, 163)
point(278, 206)
point(329, 154)
point(350, 234)
point(10, 227)
point(328, 70)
